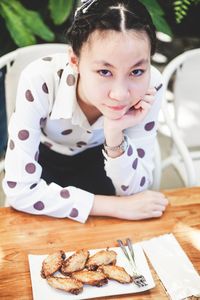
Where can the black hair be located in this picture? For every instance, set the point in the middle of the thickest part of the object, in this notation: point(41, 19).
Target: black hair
point(115, 15)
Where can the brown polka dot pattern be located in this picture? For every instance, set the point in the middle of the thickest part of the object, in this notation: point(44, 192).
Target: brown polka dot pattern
point(66, 132)
point(141, 152)
point(135, 163)
point(59, 73)
point(130, 150)
point(142, 182)
point(45, 88)
point(11, 184)
point(39, 205)
point(89, 131)
point(124, 187)
point(70, 80)
point(30, 168)
point(11, 145)
point(33, 186)
point(23, 135)
point(47, 58)
point(29, 96)
point(74, 213)
point(149, 126)
point(64, 193)
point(80, 144)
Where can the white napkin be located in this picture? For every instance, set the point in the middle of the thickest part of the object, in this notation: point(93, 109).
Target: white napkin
point(173, 266)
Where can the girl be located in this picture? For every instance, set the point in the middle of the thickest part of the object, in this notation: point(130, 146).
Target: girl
point(81, 141)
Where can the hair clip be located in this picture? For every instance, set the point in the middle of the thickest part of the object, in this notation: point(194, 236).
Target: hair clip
point(85, 6)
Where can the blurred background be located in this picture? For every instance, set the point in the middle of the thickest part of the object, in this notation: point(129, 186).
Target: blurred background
point(28, 22)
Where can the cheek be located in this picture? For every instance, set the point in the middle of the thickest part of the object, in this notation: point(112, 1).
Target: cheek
point(98, 89)
point(143, 87)
point(139, 91)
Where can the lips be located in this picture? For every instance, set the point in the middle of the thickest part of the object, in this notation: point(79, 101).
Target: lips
point(117, 108)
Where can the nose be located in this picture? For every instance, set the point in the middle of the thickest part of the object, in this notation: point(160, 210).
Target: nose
point(119, 92)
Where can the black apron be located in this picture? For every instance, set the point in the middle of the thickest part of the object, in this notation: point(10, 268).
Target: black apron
point(84, 170)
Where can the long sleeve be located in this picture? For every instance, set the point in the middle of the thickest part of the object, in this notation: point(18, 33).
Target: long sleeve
point(23, 186)
point(132, 171)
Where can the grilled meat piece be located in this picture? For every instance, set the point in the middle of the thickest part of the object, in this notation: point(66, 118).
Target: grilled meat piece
point(75, 262)
point(52, 263)
point(103, 257)
point(116, 273)
point(69, 285)
point(90, 277)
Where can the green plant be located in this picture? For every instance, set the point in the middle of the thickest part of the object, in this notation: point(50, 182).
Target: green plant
point(60, 10)
point(181, 8)
point(158, 16)
point(25, 25)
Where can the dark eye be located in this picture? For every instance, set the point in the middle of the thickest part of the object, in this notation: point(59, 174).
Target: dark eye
point(104, 73)
point(137, 72)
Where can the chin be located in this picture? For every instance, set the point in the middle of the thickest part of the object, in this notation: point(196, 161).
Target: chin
point(113, 115)
point(116, 117)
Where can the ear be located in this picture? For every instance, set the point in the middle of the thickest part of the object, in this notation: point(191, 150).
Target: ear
point(73, 60)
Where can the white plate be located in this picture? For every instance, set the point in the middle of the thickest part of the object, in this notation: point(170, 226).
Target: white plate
point(41, 289)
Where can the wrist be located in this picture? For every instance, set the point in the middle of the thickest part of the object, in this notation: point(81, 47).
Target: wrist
point(121, 146)
point(104, 206)
point(109, 206)
point(117, 150)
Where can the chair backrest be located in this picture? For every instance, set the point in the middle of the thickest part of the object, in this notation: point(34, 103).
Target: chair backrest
point(157, 167)
point(184, 72)
point(16, 61)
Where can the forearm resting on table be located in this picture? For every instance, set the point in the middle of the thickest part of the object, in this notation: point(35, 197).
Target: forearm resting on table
point(143, 205)
point(104, 206)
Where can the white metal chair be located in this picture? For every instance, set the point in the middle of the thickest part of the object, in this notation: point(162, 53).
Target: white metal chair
point(15, 62)
point(181, 116)
point(157, 173)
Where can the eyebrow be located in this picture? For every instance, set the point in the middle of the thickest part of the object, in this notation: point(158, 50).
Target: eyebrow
point(106, 64)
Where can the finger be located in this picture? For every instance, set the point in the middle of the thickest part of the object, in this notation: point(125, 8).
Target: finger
point(159, 208)
point(148, 98)
point(151, 91)
point(143, 104)
point(156, 214)
point(161, 200)
point(158, 195)
point(137, 105)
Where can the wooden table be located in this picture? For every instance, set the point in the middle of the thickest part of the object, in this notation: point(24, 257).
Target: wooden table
point(21, 234)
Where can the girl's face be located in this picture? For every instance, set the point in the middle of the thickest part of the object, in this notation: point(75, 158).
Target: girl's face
point(114, 71)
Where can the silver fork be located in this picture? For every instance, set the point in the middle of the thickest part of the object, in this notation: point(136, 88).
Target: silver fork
point(138, 278)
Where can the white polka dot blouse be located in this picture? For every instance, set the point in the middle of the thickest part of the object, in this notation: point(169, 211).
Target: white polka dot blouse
point(46, 86)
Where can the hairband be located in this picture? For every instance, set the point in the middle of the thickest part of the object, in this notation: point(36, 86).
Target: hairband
point(85, 6)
